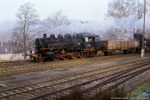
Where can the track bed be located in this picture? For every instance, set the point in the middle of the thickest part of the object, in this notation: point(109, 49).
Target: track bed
point(48, 79)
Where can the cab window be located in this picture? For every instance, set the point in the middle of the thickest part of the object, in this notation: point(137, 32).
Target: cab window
point(89, 39)
point(86, 39)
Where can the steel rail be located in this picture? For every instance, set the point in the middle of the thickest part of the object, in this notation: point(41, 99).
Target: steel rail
point(79, 74)
point(85, 83)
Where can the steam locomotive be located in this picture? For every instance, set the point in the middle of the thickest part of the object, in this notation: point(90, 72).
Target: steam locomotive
point(81, 45)
point(67, 47)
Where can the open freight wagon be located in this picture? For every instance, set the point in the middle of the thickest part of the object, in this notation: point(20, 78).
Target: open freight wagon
point(109, 47)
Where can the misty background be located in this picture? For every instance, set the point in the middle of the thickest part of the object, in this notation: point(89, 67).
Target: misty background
point(110, 19)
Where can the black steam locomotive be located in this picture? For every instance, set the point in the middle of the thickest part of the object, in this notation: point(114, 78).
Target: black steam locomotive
point(83, 45)
point(76, 46)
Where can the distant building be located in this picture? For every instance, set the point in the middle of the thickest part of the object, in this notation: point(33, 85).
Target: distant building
point(10, 47)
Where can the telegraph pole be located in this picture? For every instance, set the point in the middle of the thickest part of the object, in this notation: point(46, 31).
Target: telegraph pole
point(143, 50)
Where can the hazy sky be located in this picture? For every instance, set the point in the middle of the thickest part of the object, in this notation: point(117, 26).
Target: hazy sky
point(73, 9)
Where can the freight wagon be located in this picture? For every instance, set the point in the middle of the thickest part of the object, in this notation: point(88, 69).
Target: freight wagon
point(108, 47)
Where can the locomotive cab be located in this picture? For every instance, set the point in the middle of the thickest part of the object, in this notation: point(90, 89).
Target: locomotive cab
point(91, 42)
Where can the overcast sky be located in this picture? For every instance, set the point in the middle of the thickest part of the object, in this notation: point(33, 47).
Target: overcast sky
point(73, 9)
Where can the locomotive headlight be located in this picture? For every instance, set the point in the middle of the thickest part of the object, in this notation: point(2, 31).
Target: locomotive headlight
point(78, 43)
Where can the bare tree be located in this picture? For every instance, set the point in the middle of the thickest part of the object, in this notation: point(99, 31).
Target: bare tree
point(116, 9)
point(125, 8)
point(126, 14)
point(139, 9)
point(27, 20)
point(55, 20)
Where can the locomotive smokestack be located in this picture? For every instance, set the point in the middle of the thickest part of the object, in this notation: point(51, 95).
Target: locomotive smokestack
point(44, 35)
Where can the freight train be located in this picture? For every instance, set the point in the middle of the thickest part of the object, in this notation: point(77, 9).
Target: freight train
point(79, 46)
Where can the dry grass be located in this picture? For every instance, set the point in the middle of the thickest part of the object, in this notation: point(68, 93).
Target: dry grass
point(107, 95)
point(76, 94)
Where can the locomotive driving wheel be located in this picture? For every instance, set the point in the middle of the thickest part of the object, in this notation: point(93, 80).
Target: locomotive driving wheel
point(84, 54)
point(62, 57)
point(40, 59)
point(54, 59)
point(78, 55)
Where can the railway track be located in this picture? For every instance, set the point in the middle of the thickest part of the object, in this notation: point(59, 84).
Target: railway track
point(32, 91)
point(112, 83)
point(39, 66)
point(19, 63)
point(24, 62)
point(14, 63)
point(94, 86)
point(6, 62)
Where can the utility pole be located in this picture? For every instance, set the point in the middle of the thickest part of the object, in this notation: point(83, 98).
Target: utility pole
point(143, 50)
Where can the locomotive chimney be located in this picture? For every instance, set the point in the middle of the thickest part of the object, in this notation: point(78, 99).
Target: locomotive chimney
point(44, 36)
